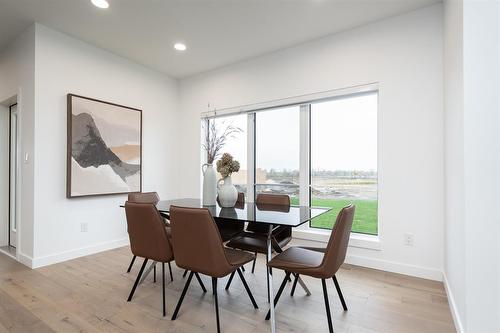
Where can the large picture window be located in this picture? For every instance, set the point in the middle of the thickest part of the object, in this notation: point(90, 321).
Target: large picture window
point(338, 167)
point(277, 153)
point(344, 160)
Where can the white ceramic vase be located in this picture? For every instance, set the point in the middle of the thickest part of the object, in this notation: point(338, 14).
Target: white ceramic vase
point(209, 185)
point(228, 194)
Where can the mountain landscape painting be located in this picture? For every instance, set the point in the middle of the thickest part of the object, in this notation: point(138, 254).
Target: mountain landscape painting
point(104, 148)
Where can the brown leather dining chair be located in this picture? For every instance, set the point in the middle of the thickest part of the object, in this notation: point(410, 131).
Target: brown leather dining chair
point(229, 228)
point(153, 198)
point(314, 263)
point(148, 239)
point(198, 248)
point(254, 239)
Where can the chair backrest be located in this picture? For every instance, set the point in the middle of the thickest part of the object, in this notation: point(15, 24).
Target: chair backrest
point(146, 230)
point(240, 202)
point(146, 197)
point(197, 242)
point(339, 239)
point(273, 199)
point(276, 202)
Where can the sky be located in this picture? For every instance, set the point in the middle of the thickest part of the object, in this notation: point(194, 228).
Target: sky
point(343, 136)
point(236, 145)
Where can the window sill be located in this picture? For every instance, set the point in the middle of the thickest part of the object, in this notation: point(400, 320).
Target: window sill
point(370, 242)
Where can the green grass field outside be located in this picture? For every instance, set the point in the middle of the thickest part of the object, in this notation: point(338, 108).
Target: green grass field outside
point(365, 217)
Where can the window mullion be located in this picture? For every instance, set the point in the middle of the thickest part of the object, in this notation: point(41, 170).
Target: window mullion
point(305, 165)
point(251, 157)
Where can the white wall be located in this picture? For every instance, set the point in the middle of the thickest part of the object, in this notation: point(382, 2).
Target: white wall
point(404, 55)
point(481, 58)
point(66, 65)
point(454, 158)
point(4, 175)
point(17, 78)
point(472, 141)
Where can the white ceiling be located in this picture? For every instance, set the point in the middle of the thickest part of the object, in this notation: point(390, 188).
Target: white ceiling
point(217, 32)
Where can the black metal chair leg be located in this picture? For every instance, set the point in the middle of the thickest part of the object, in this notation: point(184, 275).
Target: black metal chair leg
point(327, 306)
point(163, 290)
point(154, 273)
point(185, 273)
point(137, 280)
point(179, 303)
point(243, 268)
point(170, 269)
point(214, 287)
point(334, 278)
point(294, 284)
point(253, 264)
point(200, 282)
point(246, 288)
point(277, 297)
point(131, 264)
point(230, 280)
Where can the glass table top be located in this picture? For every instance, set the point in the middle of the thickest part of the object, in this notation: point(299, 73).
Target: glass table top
point(292, 216)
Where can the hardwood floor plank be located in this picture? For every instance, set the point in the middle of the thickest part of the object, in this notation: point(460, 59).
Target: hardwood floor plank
point(16, 318)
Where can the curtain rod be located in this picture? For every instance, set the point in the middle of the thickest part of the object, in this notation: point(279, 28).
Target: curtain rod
point(294, 100)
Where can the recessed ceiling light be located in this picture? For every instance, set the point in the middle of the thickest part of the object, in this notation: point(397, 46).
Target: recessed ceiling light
point(180, 46)
point(100, 3)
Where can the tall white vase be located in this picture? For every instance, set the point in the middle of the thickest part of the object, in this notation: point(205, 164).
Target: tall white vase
point(209, 185)
point(228, 194)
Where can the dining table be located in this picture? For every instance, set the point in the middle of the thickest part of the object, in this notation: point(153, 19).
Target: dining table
point(270, 215)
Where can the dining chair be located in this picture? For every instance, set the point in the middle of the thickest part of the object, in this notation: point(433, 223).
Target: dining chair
point(153, 198)
point(315, 263)
point(254, 239)
point(198, 248)
point(148, 239)
point(229, 228)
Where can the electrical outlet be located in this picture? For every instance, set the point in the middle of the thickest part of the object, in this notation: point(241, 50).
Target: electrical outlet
point(84, 227)
point(408, 239)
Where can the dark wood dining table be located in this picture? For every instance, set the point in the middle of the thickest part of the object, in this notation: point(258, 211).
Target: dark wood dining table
point(273, 216)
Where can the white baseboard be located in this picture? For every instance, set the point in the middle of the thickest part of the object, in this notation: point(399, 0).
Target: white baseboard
point(453, 306)
point(396, 267)
point(25, 260)
point(76, 253)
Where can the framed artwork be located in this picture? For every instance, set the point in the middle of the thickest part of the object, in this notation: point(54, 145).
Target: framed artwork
point(104, 148)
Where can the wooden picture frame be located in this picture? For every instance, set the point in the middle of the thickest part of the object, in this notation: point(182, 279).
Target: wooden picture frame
point(104, 148)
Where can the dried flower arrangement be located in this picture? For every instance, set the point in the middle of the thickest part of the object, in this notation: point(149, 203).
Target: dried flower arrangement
point(227, 165)
point(216, 140)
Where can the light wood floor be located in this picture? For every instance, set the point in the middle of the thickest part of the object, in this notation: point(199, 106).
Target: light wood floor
point(89, 295)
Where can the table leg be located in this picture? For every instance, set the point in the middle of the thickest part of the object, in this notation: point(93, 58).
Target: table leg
point(270, 278)
point(278, 249)
point(303, 285)
point(146, 273)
